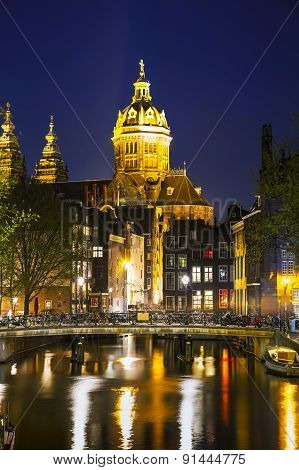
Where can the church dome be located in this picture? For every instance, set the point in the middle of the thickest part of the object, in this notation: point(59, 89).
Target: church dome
point(141, 111)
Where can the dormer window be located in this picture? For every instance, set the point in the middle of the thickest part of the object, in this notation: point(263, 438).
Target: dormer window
point(132, 114)
point(170, 191)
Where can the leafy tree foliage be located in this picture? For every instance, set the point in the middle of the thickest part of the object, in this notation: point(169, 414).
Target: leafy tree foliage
point(279, 184)
point(35, 249)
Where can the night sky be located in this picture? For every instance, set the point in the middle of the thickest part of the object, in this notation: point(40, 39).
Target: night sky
point(197, 54)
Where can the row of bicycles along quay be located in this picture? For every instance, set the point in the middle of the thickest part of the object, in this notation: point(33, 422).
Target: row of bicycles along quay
point(228, 319)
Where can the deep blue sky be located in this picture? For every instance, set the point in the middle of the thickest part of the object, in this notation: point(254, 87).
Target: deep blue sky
point(197, 54)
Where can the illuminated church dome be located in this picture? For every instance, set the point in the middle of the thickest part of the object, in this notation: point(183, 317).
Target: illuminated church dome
point(141, 136)
point(142, 111)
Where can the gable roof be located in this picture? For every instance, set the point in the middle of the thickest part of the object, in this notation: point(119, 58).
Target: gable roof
point(183, 193)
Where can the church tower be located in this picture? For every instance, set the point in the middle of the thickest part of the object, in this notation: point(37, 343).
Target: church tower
point(12, 163)
point(51, 168)
point(141, 140)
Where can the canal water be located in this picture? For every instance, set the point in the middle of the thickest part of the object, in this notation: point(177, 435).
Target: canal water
point(133, 393)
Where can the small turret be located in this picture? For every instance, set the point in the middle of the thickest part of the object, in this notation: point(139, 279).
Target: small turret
point(51, 167)
point(12, 162)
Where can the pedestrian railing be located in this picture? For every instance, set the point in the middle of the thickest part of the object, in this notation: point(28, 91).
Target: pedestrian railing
point(50, 319)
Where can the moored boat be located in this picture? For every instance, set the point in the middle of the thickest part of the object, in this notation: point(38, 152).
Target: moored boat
point(282, 361)
point(7, 433)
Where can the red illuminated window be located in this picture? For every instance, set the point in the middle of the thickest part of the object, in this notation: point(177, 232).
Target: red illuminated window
point(208, 251)
point(223, 298)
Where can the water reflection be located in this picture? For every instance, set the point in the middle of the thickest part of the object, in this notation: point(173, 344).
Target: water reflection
point(133, 393)
point(188, 417)
point(80, 391)
point(289, 432)
point(125, 413)
point(47, 376)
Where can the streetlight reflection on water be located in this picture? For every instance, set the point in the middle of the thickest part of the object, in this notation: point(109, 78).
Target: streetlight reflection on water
point(289, 428)
point(133, 393)
point(125, 410)
point(80, 392)
point(190, 414)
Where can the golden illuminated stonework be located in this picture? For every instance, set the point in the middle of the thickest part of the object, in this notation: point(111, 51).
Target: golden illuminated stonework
point(141, 141)
point(12, 163)
point(51, 168)
point(143, 176)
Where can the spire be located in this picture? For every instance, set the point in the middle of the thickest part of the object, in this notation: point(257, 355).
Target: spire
point(142, 85)
point(51, 137)
point(12, 163)
point(51, 168)
point(8, 126)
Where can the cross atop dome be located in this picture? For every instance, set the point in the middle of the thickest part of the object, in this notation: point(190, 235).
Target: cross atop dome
point(142, 85)
point(141, 73)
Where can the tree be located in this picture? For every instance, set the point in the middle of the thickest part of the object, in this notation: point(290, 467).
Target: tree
point(43, 255)
point(278, 186)
point(36, 251)
point(10, 219)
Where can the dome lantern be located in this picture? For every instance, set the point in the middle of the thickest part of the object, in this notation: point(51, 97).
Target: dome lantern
point(142, 86)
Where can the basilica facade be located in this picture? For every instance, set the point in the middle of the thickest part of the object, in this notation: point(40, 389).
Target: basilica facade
point(127, 218)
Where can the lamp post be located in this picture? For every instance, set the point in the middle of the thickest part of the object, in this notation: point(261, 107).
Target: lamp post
point(186, 281)
point(80, 283)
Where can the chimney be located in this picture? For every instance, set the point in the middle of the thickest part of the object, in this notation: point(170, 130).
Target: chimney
point(266, 143)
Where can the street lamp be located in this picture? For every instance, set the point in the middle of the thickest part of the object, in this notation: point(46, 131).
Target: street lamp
point(185, 281)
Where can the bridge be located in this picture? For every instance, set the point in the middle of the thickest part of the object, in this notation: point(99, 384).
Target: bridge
point(16, 340)
point(140, 329)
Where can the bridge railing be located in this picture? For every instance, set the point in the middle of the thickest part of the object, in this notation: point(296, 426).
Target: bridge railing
point(49, 319)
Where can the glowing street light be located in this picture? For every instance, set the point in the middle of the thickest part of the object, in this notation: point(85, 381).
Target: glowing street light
point(185, 280)
point(80, 281)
